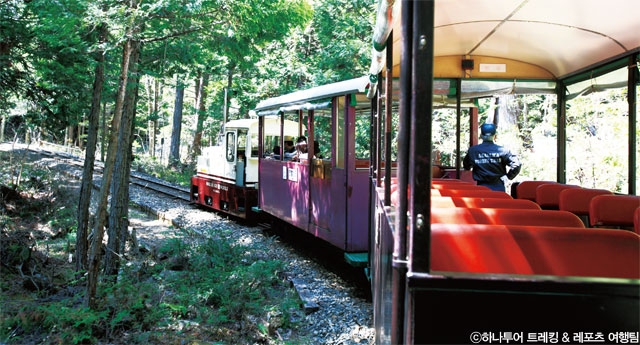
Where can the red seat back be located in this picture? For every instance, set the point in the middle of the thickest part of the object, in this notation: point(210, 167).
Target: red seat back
point(636, 221)
point(476, 249)
point(469, 202)
point(527, 189)
point(548, 195)
point(535, 250)
point(580, 252)
point(472, 193)
point(576, 200)
point(459, 186)
point(503, 216)
point(613, 210)
point(447, 181)
point(442, 202)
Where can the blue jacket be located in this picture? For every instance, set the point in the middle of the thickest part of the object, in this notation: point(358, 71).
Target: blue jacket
point(490, 161)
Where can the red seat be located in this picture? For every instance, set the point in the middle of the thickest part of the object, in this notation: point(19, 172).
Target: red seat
point(576, 200)
point(527, 189)
point(442, 202)
point(448, 181)
point(548, 195)
point(459, 186)
point(476, 249)
point(613, 210)
point(636, 221)
point(469, 202)
point(503, 216)
point(474, 193)
point(535, 250)
point(580, 252)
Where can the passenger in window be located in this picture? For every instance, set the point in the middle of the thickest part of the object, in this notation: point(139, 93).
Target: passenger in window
point(276, 153)
point(489, 161)
point(289, 150)
point(301, 149)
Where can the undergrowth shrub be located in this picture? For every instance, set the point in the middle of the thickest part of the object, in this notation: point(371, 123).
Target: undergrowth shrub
point(180, 175)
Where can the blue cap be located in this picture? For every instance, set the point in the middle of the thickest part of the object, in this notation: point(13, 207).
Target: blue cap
point(488, 129)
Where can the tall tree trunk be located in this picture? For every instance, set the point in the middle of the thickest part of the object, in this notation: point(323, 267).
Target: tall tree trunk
point(119, 210)
point(174, 155)
point(103, 131)
point(201, 99)
point(89, 160)
point(157, 93)
point(101, 214)
point(80, 133)
point(2, 126)
point(150, 115)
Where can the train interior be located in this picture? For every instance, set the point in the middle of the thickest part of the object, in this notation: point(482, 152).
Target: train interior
point(454, 263)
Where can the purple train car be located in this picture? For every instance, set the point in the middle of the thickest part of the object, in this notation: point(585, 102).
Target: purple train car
point(319, 182)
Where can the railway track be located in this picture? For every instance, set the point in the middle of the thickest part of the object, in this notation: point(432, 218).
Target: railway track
point(139, 179)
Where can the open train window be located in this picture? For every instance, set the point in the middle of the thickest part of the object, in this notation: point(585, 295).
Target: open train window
point(242, 142)
point(362, 135)
point(254, 145)
point(322, 134)
point(231, 146)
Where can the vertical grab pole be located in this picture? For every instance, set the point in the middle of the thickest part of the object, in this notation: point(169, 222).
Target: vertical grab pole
point(388, 117)
point(419, 172)
point(632, 91)
point(421, 118)
point(399, 260)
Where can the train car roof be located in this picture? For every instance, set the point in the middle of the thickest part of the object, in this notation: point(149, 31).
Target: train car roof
point(534, 39)
point(242, 123)
point(315, 97)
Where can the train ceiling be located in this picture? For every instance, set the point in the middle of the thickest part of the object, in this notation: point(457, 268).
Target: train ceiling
point(535, 39)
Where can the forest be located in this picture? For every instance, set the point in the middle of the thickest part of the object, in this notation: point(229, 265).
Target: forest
point(154, 80)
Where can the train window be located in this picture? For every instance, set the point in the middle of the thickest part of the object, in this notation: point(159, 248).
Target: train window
point(231, 146)
point(322, 134)
point(242, 142)
point(363, 137)
point(444, 137)
point(272, 147)
point(254, 145)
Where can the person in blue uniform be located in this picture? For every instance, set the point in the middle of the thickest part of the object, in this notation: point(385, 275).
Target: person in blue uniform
point(491, 164)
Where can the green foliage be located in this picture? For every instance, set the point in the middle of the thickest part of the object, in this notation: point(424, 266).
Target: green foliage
point(218, 286)
point(152, 166)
